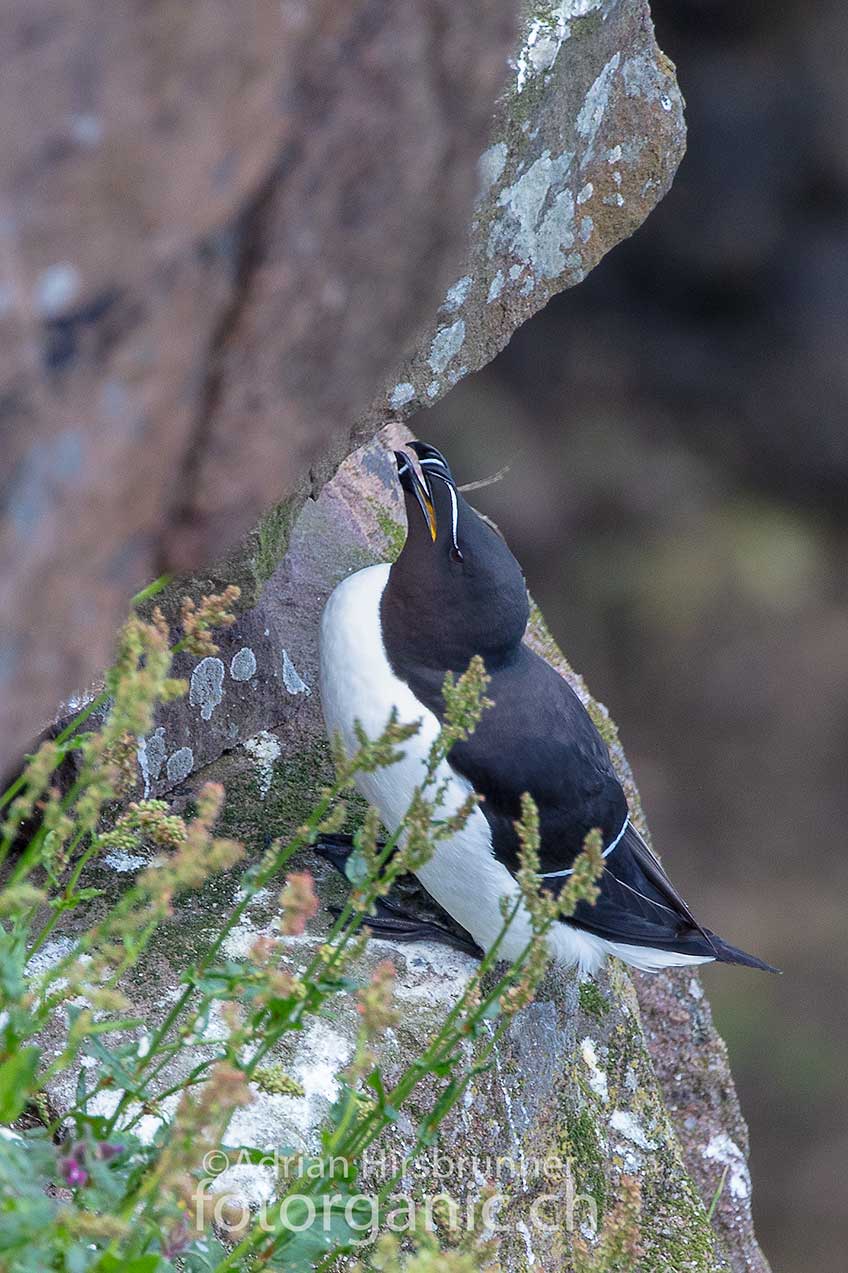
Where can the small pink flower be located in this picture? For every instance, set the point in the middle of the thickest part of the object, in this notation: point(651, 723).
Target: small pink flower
point(298, 902)
point(73, 1172)
point(107, 1151)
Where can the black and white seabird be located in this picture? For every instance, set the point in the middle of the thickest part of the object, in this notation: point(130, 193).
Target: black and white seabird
point(389, 634)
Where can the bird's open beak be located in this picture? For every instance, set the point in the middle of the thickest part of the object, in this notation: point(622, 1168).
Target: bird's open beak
point(411, 482)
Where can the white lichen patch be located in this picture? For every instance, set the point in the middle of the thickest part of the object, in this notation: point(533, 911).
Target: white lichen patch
point(628, 1126)
point(539, 50)
point(597, 1078)
point(490, 166)
point(322, 1054)
point(247, 1184)
point(151, 755)
point(207, 686)
point(574, 264)
point(292, 679)
point(401, 395)
point(524, 1230)
point(56, 289)
point(274, 1122)
point(594, 107)
point(239, 940)
point(586, 193)
point(433, 974)
point(260, 898)
point(149, 1124)
point(643, 78)
point(545, 36)
point(124, 863)
point(457, 294)
point(447, 343)
point(495, 287)
point(722, 1149)
point(537, 224)
point(104, 1104)
point(180, 764)
point(86, 129)
point(243, 664)
point(49, 955)
point(75, 703)
point(265, 749)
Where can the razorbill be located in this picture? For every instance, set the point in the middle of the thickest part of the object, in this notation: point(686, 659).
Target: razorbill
point(389, 634)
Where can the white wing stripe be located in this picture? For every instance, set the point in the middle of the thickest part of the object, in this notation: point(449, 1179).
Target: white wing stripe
point(558, 875)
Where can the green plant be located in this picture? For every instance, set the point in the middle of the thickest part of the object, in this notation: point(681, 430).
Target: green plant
point(81, 1190)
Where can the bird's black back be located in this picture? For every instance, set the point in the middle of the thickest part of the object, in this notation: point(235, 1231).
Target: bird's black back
point(447, 601)
point(537, 738)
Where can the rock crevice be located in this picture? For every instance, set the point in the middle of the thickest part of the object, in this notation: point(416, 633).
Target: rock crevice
point(223, 274)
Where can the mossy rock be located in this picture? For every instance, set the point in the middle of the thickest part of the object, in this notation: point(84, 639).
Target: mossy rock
point(605, 1082)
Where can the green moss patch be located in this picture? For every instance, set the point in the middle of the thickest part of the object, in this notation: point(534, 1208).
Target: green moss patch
point(592, 1001)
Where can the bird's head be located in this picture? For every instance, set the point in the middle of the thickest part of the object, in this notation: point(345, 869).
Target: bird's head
point(456, 588)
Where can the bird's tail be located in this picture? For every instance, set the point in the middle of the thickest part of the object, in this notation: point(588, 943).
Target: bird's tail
point(727, 954)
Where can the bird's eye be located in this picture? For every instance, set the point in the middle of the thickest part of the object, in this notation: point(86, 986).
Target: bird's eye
point(456, 555)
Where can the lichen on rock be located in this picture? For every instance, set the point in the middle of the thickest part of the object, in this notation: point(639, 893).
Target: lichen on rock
point(616, 1077)
point(586, 140)
point(621, 1076)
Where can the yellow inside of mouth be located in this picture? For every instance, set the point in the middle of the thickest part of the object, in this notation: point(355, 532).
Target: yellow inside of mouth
point(431, 517)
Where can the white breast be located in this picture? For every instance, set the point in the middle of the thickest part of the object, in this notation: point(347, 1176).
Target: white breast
point(357, 683)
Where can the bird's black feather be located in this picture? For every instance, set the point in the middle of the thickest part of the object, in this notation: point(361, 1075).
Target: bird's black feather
point(538, 738)
point(441, 607)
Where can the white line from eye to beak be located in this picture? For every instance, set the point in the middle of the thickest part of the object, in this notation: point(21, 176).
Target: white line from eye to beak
point(452, 489)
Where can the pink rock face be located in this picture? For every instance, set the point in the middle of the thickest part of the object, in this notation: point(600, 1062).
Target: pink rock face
point(232, 240)
point(220, 225)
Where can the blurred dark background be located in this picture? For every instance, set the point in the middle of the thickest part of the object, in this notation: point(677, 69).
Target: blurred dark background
point(678, 495)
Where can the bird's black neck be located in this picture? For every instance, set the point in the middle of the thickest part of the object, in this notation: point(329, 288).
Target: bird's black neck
point(437, 612)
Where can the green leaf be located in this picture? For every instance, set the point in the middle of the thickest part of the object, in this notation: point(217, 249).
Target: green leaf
point(141, 1264)
point(12, 960)
point(82, 1087)
point(445, 1067)
point(239, 1154)
point(120, 1023)
point(375, 1082)
point(111, 1060)
point(204, 1258)
point(332, 1232)
point(17, 1078)
point(87, 894)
